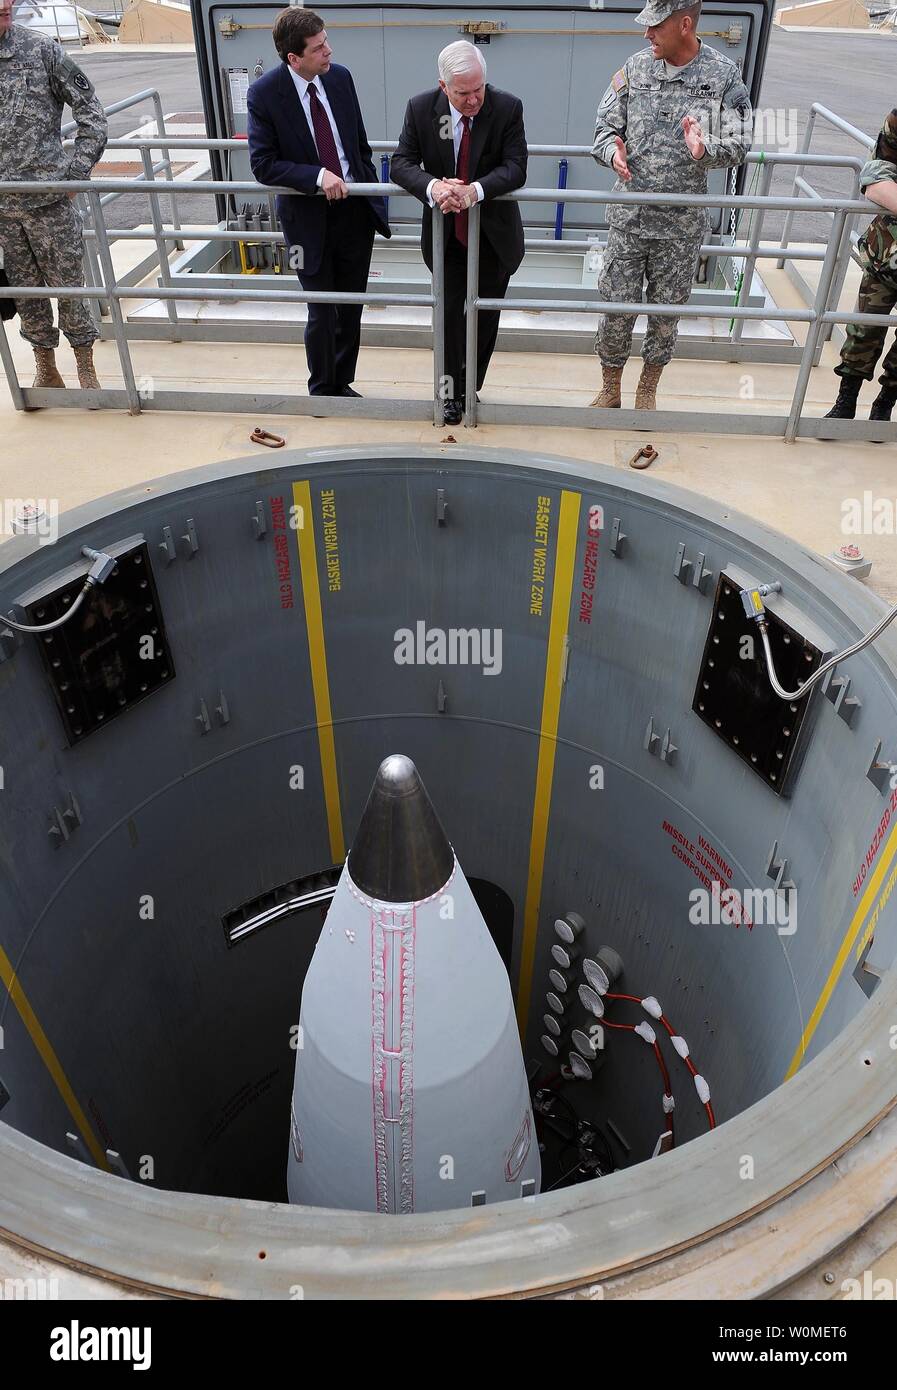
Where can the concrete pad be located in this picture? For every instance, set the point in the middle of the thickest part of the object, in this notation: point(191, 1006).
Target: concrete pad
point(667, 451)
point(801, 489)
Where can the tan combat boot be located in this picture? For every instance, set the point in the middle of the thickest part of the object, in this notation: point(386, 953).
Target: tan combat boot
point(646, 391)
point(608, 397)
point(87, 377)
point(47, 372)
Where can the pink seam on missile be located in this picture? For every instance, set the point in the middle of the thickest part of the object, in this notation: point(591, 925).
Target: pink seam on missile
point(392, 1180)
point(377, 1065)
point(406, 1066)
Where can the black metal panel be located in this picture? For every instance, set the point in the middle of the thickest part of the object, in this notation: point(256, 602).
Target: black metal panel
point(734, 696)
point(113, 653)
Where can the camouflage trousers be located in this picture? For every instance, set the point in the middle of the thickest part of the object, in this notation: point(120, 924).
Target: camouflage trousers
point(668, 267)
point(45, 246)
point(863, 347)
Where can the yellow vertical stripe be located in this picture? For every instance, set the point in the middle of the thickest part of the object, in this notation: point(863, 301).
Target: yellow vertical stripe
point(317, 651)
point(49, 1058)
point(565, 560)
point(856, 922)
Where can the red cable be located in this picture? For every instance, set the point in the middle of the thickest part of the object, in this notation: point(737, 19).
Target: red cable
point(634, 999)
point(667, 1089)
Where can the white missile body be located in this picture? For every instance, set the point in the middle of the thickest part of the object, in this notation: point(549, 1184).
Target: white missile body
point(410, 1092)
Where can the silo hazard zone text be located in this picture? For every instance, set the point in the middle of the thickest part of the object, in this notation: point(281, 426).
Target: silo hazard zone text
point(282, 546)
point(594, 523)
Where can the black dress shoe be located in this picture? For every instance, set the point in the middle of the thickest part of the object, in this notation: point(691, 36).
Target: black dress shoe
point(347, 391)
point(452, 413)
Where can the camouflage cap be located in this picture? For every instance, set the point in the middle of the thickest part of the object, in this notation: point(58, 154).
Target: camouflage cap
point(656, 11)
point(886, 144)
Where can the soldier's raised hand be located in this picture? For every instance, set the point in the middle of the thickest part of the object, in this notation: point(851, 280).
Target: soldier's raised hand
point(619, 160)
point(694, 136)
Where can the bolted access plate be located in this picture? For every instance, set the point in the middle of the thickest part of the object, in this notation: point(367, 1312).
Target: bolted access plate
point(113, 653)
point(734, 696)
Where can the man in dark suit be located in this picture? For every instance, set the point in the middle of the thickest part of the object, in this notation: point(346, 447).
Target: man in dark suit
point(306, 132)
point(462, 143)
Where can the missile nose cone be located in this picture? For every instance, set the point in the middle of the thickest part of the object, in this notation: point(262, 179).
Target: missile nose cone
point(401, 853)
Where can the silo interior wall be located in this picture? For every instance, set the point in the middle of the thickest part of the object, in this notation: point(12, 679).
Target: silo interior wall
point(149, 1036)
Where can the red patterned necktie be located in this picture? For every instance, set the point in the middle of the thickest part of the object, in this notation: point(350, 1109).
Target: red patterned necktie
point(462, 170)
point(323, 133)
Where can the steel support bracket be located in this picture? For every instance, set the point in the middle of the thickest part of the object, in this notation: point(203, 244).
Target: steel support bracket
point(879, 773)
point(846, 705)
point(618, 538)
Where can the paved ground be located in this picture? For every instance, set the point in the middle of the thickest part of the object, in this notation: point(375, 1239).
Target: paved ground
point(175, 77)
point(852, 74)
point(800, 489)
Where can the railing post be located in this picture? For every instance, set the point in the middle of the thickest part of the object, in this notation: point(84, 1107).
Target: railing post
point(843, 258)
point(161, 245)
point(814, 330)
point(438, 289)
point(9, 366)
point(278, 260)
point(472, 325)
point(798, 169)
point(166, 154)
point(118, 322)
point(98, 307)
point(747, 274)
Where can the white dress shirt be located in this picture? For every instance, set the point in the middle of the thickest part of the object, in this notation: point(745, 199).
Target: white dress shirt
point(302, 87)
point(457, 132)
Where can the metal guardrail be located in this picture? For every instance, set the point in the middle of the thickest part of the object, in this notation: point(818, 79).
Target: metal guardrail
point(817, 317)
point(817, 110)
point(164, 167)
point(114, 293)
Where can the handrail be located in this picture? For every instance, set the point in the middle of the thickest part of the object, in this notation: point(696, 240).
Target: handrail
point(113, 109)
point(200, 142)
point(817, 317)
point(817, 109)
point(804, 157)
point(380, 190)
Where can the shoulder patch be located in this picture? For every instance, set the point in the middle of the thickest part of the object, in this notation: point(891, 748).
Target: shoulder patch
point(79, 80)
point(619, 81)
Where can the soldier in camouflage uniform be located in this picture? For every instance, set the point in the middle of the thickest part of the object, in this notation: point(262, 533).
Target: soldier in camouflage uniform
point(40, 233)
point(877, 252)
point(671, 113)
